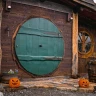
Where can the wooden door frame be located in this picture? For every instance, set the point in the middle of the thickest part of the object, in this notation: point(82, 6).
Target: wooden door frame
point(1, 9)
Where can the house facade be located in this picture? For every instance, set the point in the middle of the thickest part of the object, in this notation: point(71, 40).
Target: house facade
point(47, 37)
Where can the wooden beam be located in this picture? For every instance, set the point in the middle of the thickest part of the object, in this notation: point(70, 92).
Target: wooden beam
point(1, 9)
point(75, 45)
point(89, 6)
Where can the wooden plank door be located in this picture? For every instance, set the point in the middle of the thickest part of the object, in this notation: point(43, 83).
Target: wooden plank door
point(39, 46)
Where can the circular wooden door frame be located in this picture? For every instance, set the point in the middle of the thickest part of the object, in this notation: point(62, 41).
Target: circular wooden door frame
point(90, 52)
point(14, 53)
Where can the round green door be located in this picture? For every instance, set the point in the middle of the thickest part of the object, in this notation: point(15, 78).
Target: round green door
point(39, 46)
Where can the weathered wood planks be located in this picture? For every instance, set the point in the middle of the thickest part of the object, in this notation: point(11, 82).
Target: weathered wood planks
point(1, 9)
point(75, 45)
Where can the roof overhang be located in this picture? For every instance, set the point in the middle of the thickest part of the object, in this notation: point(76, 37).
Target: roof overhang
point(85, 8)
point(87, 3)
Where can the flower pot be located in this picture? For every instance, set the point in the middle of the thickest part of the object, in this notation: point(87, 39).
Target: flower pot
point(6, 77)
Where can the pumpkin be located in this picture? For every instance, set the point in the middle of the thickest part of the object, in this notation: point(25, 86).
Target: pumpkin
point(14, 82)
point(83, 83)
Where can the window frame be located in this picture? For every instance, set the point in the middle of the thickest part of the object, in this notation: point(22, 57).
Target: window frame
point(90, 52)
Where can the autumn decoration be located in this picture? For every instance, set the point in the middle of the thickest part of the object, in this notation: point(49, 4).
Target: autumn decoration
point(83, 83)
point(14, 82)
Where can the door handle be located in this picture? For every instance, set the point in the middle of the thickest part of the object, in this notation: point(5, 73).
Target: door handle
point(16, 45)
point(40, 45)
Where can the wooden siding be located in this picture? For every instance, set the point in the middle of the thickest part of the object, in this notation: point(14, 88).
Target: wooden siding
point(18, 14)
point(82, 62)
point(1, 9)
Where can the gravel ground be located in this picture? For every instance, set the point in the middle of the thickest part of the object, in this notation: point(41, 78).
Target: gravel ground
point(46, 92)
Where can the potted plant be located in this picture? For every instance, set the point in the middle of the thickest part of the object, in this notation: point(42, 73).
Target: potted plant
point(10, 74)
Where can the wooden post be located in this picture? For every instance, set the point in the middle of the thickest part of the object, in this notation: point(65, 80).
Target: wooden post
point(75, 45)
point(1, 9)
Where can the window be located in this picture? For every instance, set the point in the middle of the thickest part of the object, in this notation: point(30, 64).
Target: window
point(85, 44)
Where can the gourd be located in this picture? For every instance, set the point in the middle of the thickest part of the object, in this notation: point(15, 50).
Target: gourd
point(83, 83)
point(14, 82)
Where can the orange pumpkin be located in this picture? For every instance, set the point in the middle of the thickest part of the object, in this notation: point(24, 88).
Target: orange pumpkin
point(83, 83)
point(14, 82)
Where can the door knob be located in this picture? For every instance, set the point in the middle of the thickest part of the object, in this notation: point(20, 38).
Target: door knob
point(16, 45)
point(40, 45)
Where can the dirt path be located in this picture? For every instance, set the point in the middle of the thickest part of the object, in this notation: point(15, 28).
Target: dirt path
point(46, 92)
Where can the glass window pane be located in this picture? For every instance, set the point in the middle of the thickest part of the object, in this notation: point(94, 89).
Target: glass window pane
point(84, 42)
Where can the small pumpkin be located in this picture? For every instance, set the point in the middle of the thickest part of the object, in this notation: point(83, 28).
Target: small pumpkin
point(14, 82)
point(83, 83)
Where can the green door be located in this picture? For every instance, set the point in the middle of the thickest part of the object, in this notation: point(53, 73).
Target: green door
point(39, 46)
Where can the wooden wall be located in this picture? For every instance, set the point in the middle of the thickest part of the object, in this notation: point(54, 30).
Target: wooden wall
point(21, 12)
point(1, 9)
point(82, 62)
